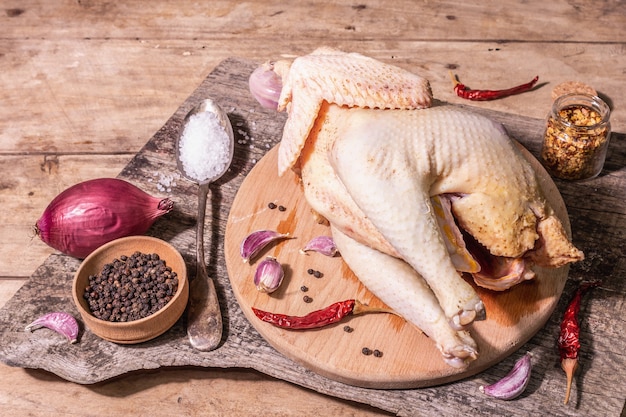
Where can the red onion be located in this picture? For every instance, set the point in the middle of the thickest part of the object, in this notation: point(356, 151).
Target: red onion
point(92, 213)
point(265, 86)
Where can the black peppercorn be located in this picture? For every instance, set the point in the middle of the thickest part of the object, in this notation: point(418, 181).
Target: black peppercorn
point(130, 288)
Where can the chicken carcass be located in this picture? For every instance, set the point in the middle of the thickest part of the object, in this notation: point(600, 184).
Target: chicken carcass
point(396, 176)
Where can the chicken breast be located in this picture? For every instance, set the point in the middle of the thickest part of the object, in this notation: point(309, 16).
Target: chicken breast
point(379, 167)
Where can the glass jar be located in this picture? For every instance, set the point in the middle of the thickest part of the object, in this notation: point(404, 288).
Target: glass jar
point(576, 137)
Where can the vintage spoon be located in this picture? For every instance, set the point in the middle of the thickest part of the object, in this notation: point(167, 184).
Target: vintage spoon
point(204, 151)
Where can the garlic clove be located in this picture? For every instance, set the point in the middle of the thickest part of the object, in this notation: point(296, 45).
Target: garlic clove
point(268, 275)
point(265, 85)
point(256, 241)
point(61, 322)
point(514, 383)
point(321, 244)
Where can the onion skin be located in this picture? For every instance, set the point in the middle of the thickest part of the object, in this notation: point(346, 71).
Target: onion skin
point(89, 214)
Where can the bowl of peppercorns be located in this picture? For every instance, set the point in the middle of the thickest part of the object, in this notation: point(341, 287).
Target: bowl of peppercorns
point(132, 289)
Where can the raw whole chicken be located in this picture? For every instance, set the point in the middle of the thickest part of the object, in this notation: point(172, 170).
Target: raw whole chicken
point(416, 192)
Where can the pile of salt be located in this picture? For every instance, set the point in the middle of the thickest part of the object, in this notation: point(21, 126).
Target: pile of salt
point(204, 147)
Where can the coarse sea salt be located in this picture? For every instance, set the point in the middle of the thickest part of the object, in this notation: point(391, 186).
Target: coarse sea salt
point(164, 182)
point(204, 147)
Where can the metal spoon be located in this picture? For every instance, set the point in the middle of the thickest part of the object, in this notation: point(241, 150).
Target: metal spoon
point(204, 318)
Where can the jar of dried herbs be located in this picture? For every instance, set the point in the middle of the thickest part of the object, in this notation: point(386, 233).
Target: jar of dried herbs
point(576, 137)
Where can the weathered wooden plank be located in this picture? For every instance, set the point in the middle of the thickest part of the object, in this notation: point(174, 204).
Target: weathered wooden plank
point(93, 360)
point(169, 392)
point(493, 20)
point(84, 106)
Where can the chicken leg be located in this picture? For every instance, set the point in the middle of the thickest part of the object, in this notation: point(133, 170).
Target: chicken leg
point(401, 288)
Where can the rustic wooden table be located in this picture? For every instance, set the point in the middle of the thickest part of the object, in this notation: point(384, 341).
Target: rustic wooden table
point(85, 84)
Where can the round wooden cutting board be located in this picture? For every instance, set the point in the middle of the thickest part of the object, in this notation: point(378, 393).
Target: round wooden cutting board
point(409, 359)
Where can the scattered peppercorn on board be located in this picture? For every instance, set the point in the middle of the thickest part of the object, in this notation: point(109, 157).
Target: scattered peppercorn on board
point(405, 358)
point(596, 211)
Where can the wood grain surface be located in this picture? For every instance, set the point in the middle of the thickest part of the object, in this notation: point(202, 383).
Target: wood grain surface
point(86, 83)
point(93, 360)
point(410, 359)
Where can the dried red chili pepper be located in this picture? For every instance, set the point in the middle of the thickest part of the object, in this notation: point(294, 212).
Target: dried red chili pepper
point(319, 318)
point(569, 337)
point(484, 95)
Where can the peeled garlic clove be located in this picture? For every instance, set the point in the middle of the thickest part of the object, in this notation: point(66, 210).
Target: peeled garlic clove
point(269, 275)
point(61, 322)
point(256, 241)
point(514, 383)
point(322, 244)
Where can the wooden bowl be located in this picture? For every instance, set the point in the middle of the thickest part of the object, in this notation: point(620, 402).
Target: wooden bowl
point(144, 329)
